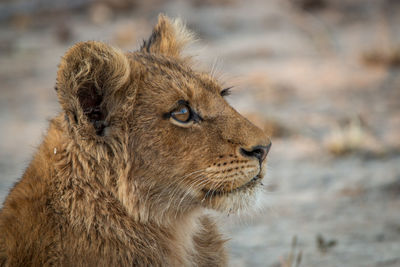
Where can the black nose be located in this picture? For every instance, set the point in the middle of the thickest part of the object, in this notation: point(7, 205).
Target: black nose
point(260, 152)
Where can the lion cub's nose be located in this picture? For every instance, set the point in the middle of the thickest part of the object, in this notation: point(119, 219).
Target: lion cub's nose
point(259, 152)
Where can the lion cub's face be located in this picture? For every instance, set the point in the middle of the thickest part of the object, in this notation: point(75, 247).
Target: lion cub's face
point(187, 147)
point(199, 143)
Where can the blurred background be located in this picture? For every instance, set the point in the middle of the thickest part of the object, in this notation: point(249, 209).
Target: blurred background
point(321, 77)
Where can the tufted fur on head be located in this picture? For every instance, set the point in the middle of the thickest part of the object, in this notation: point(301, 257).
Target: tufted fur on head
point(169, 37)
point(143, 146)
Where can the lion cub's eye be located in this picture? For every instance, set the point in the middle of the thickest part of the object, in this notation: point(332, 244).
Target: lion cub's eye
point(182, 114)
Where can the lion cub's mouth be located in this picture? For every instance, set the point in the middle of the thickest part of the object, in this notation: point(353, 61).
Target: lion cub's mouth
point(256, 179)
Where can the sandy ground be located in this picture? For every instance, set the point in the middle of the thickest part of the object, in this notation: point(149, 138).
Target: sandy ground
point(323, 79)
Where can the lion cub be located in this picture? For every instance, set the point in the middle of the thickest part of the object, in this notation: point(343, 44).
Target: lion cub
point(143, 146)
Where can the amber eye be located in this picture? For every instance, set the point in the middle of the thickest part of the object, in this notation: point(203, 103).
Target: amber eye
point(182, 114)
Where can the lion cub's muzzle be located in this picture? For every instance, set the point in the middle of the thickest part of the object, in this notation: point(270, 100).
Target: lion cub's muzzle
point(235, 173)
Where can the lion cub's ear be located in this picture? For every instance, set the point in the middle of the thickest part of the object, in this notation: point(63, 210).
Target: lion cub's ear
point(168, 38)
point(88, 77)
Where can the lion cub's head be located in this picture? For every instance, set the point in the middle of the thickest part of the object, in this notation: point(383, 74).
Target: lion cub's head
point(168, 134)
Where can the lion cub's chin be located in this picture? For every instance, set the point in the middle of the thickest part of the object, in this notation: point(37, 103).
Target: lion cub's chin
point(243, 201)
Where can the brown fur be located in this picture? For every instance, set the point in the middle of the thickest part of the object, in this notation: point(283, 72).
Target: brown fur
point(118, 183)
